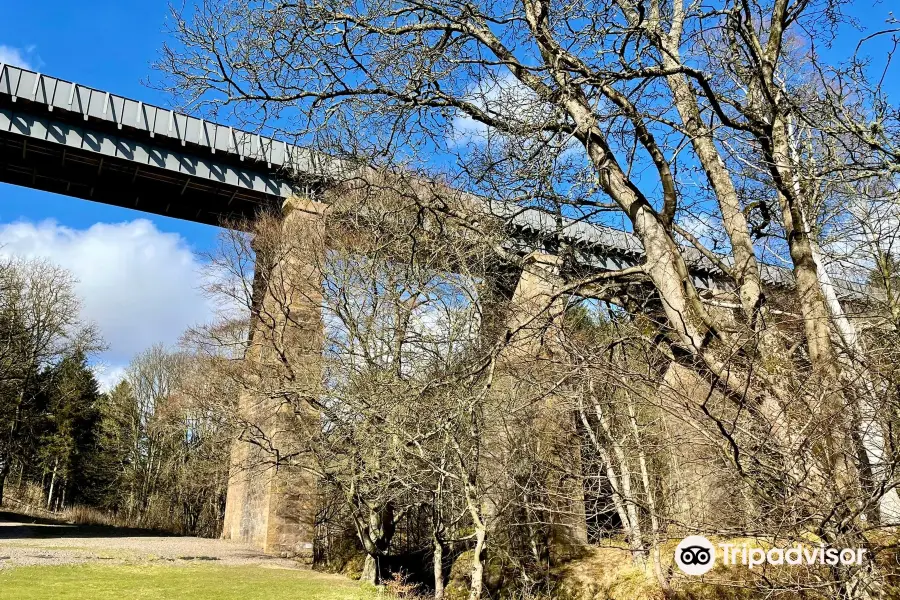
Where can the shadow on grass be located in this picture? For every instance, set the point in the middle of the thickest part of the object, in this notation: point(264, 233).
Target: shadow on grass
point(17, 526)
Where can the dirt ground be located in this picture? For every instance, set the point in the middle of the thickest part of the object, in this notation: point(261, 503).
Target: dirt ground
point(30, 541)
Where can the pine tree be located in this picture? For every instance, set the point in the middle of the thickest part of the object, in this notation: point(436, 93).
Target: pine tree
point(68, 442)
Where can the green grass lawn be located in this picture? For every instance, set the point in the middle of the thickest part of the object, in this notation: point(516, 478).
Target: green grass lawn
point(151, 582)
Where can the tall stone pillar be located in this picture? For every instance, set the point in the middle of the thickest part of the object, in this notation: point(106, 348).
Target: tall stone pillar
point(536, 311)
point(700, 492)
point(271, 500)
point(531, 363)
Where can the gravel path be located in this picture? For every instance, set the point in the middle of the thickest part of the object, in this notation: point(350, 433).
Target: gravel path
point(31, 541)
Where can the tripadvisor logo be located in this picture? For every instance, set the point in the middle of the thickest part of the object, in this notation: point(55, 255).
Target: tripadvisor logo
point(696, 555)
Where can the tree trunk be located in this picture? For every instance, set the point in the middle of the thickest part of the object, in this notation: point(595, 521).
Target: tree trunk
point(375, 535)
point(370, 572)
point(649, 493)
point(664, 264)
point(477, 580)
point(4, 472)
point(871, 437)
point(816, 319)
point(438, 568)
point(634, 533)
point(52, 486)
point(815, 314)
point(621, 498)
point(746, 267)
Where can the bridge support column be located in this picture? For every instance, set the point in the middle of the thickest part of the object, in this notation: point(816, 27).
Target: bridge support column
point(700, 491)
point(532, 358)
point(271, 500)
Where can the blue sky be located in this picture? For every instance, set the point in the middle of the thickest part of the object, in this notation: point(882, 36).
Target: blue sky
point(104, 44)
point(138, 272)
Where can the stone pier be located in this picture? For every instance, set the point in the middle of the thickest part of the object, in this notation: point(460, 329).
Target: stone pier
point(271, 500)
point(533, 356)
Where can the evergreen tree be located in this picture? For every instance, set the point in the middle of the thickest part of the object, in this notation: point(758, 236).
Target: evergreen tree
point(69, 438)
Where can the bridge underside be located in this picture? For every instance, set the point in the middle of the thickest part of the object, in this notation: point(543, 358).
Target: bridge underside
point(60, 169)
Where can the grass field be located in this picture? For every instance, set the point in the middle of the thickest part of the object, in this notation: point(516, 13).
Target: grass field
point(49, 559)
point(163, 582)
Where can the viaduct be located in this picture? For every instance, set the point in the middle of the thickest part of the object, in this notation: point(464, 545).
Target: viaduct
point(67, 138)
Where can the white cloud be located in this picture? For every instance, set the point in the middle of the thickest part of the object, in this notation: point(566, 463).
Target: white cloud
point(16, 56)
point(108, 376)
point(701, 226)
point(508, 100)
point(503, 97)
point(138, 284)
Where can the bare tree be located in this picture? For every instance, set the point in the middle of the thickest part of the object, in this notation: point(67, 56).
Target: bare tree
point(601, 113)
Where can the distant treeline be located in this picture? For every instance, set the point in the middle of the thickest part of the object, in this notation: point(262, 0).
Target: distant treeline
point(136, 454)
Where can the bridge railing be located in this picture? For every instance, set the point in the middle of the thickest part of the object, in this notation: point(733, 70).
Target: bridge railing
point(121, 112)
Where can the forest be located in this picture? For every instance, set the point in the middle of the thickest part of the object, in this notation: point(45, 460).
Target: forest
point(136, 455)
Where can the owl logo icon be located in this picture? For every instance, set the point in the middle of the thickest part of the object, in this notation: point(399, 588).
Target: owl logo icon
point(695, 555)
